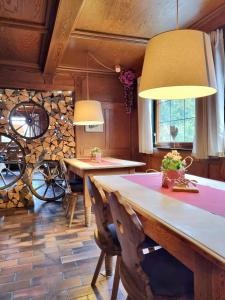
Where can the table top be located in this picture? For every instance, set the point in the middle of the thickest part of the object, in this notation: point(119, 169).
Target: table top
point(106, 163)
point(198, 226)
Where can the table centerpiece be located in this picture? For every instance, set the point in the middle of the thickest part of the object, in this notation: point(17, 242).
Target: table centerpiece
point(96, 154)
point(173, 168)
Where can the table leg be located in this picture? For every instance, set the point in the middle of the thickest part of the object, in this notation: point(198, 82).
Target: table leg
point(209, 281)
point(87, 204)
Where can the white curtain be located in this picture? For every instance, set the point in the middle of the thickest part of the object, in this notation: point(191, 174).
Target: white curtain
point(209, 133)
point(145, 124)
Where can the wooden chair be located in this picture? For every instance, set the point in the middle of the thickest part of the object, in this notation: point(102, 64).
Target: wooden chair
point(154, 275)
point(74, 188)
point(105, 235)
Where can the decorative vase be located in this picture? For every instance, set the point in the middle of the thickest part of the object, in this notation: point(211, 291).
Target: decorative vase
point(98, 156)
point(170, 176)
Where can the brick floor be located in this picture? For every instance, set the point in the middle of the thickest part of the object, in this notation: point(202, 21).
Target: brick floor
point(42, 259)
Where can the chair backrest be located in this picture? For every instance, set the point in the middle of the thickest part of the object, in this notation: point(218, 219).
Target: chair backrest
point(131, 237)
point(64, 171)
point(101, 209)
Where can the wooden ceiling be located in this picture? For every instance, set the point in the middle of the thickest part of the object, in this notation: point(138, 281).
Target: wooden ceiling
point(55, 35)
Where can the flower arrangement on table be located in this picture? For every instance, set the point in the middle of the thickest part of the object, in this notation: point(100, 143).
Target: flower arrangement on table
point(96, 154)
point(128, 80)
point(173, 168)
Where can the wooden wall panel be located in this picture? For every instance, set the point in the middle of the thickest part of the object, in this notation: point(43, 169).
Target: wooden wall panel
point(26, 10)
point(114, 141)
point(20, 45)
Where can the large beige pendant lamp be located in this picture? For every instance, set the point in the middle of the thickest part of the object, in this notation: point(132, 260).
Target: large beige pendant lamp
point(178, 64)
point(88, 112)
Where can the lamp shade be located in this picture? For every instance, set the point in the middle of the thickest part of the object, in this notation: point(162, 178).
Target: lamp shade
point(178, 64)
point(88, 112)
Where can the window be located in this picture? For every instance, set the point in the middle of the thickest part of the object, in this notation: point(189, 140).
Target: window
point(175, 122)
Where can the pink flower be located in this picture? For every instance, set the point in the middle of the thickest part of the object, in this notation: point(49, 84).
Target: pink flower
point(127, 77)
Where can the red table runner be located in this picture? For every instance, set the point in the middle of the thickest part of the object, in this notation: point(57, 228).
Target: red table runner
point(103, 162)
point(208, 198)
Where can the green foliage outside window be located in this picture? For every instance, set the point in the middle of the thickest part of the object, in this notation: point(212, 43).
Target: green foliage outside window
point(178, 113)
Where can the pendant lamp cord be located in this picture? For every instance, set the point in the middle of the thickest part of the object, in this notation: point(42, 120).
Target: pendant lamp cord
point(177, 15)
point(87, 79)
point(99, 62)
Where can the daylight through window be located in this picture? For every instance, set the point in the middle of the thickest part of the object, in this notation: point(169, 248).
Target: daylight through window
point(175, 121)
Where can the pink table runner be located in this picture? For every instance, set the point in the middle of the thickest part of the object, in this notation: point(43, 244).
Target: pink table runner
point(103, 162)
point(208, 198)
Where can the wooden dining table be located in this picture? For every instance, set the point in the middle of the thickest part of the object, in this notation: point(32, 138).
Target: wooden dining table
point(85, 167)
point(191, 226)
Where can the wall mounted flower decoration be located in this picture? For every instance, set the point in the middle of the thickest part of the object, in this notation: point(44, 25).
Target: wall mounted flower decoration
point(128, 79)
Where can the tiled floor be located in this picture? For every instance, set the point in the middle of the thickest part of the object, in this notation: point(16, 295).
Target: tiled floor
point(41, 258)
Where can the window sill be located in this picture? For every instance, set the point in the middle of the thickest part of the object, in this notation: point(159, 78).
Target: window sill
point(172, 148)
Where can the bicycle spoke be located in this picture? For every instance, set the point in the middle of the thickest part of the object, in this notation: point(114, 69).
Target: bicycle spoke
point(45, 191)
point(60, 186)
point(46, 176)
point(8, 170)
point(3, 179)
point(39, 187)
point(27, 113)
point(53, 190)
point(26, 131)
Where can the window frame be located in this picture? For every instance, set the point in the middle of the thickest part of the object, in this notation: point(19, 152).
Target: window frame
point(166, 145)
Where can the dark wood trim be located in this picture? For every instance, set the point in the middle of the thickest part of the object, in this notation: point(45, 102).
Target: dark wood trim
point(40, 86)
point(63, 68)
point(23, 25)
point(50, 17)
point(67, 15)
point(212, 21)
point(94, 35)
point(19, 65)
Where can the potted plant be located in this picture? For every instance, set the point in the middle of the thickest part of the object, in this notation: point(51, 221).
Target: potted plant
point(173, 167)
point(96, 154)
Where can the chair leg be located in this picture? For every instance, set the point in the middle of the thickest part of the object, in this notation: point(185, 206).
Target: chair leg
point(98, 268)
point(73, 205)
point(108, 265)
point(116, 279)
point(67, 208)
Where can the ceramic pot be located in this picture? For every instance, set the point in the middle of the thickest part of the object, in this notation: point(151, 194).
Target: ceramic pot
point(170, 176)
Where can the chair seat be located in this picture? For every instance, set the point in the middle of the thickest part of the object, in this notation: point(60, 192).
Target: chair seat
point(168, 277)
point(76, 186)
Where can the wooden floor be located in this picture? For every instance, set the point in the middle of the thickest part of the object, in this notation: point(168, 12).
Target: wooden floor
point(41, 258)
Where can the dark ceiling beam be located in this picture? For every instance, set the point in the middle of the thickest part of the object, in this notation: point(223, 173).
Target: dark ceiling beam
point(66, 19)
point(93, 35)
point(214, 20)
point(69, 69)
point(23, 25)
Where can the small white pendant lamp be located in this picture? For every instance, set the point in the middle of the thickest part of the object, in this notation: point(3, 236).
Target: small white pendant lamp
point(178, 64)
point(88, 112)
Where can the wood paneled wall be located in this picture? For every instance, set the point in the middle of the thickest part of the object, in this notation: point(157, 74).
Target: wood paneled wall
point(115, 140)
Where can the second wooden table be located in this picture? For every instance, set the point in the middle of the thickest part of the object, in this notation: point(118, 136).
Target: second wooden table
point(84, 167)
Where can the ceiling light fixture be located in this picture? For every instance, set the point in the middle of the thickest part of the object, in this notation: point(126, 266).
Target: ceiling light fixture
point(178, 64)
point(88, 112)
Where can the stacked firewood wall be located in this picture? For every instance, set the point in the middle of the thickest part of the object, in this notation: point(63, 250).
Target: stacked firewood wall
point(56, 143)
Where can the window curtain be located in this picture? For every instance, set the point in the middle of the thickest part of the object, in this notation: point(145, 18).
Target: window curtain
point(209, 131)
point(145, 124)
